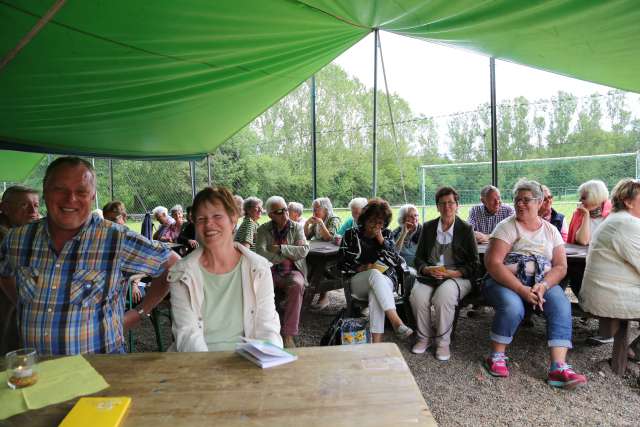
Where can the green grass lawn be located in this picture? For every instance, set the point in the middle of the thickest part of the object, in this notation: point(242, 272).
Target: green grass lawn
point(563, 207)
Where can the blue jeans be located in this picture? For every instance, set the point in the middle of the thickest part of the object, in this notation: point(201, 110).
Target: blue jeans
point(510, 310)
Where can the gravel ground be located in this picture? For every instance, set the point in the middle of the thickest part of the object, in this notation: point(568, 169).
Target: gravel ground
point(460, 392)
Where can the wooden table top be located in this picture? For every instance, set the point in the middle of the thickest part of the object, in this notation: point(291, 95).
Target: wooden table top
point(361, 385)
point(322, 248)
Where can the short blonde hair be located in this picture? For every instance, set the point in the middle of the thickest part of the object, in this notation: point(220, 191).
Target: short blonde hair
point(625, 189)
point(594, 191)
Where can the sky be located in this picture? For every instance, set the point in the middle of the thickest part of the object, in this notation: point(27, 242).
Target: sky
point(439, 80)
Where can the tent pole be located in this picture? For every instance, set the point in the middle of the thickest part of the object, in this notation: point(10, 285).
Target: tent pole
point(111, 179)
point(209, 169)
point(192, 172)
point(494, 124)
point(93, 163)
point(314, 142)
point(375, 102)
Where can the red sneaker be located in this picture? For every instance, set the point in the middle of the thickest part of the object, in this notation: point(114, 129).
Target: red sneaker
point(566, 378)
point(497, 366)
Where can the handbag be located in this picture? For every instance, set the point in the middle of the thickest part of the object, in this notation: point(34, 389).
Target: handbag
point(346, 331)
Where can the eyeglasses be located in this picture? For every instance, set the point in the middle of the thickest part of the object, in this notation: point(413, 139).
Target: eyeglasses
point(547, 198)
point(443, 204)
point(281, 211)
point(525, 200)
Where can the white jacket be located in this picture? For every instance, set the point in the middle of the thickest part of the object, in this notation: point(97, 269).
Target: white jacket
point(260, 318)
point(611, 284)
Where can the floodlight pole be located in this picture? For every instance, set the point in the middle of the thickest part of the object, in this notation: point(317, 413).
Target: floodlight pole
point(375, 102)
point(494, 124)
point(314, 158)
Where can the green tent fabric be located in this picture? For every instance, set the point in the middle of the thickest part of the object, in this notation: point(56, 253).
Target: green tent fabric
point(176, 79)
point(155, 78)
point(17, 165)
point(593, 40)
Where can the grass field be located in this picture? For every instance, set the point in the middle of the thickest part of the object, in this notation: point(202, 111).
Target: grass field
point(563, 207)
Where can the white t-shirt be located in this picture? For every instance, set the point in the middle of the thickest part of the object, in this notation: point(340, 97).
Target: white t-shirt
point(594, 223)
point(539, 242)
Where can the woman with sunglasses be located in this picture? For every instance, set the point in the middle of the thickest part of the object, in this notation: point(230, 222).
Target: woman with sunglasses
point(282, 242)
point(525, 261)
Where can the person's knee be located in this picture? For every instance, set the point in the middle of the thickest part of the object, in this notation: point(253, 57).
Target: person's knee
point(513, 312)
point(446, 295)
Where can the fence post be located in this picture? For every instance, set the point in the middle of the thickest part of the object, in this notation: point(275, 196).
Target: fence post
point(423, 190)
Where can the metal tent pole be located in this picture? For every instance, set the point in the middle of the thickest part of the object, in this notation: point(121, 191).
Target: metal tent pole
point(375, 102)
point(314, 142)
point(93, 163)
point(192, 172)
point(111, 179)
point(494, 124)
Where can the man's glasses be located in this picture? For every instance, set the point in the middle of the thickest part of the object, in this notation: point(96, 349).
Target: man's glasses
point(525, 200)
point(281, 211)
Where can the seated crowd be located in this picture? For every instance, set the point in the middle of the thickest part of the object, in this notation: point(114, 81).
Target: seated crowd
point(68, 273)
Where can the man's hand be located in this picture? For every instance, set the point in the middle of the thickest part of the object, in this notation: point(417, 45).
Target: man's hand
point(136, 295)
point(131, 320)
point(481, 237)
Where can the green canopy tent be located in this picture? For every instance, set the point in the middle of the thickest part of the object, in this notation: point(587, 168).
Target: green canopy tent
point(166, 79)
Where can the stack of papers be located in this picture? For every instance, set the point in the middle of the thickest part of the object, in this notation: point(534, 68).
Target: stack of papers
point(263, 353)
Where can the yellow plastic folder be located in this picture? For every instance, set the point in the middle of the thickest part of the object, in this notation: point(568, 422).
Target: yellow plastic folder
point(58, 380)
point(97, 412)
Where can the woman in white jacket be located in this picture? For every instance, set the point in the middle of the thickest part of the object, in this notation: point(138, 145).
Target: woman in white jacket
point(221, 291)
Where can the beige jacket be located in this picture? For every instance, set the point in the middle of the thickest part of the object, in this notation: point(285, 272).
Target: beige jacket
point(261, 320)
point(611, 284)
point(293, 251)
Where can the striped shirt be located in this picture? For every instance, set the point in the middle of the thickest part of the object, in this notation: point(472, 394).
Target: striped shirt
point(483, 221)
point(246, 233)
point(73, 302)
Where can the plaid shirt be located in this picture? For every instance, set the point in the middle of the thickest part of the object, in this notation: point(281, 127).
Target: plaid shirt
point(73, 302)
point(481, 220)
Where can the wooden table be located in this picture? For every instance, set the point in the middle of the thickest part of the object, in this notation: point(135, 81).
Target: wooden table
point(361, 385)
point(321, 255)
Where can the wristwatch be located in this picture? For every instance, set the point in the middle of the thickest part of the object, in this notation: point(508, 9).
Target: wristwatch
point(142, 314)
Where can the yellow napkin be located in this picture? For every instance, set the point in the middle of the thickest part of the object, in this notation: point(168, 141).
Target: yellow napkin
point(58, 380)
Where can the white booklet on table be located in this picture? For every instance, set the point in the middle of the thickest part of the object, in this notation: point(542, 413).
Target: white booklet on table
point(263, 353)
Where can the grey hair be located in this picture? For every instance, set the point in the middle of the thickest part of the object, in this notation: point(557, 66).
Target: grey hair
point(488, 189)
point(325, 203)
point(296, 207)
point(358, 202)
point(595, 191)
point(272, 200)
point(404, 210)
point(159, 210)
point(250, 203)
point(175, 209)
point(525, 184)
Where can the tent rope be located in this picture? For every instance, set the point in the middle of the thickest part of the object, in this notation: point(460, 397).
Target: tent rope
point(393, 125)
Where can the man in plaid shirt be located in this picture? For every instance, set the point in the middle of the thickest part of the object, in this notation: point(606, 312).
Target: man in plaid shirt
point(65, 272)
point(484, 218)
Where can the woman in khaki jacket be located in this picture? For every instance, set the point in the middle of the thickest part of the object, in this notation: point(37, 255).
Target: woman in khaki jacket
point(221, 291)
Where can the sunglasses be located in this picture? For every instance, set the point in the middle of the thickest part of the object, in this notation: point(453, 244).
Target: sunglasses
point(281, 211)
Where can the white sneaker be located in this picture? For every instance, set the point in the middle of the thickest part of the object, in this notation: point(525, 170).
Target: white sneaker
point(421, 346)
